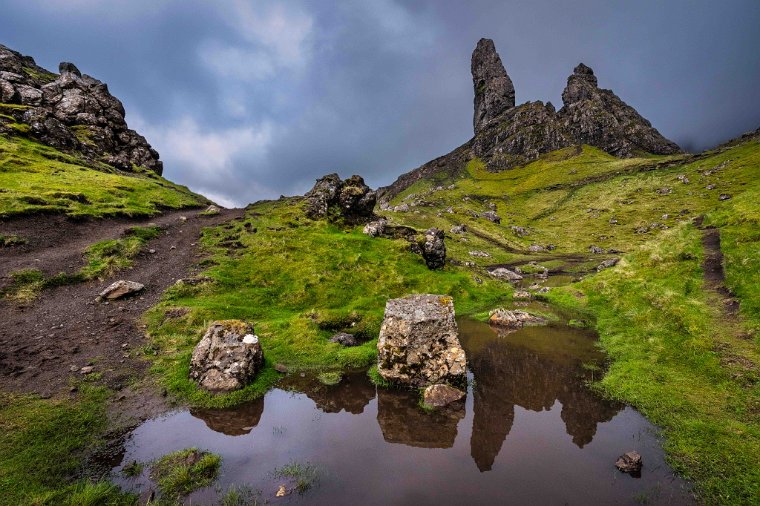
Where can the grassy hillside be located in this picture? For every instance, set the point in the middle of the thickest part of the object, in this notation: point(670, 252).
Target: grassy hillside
point(676, 355)
point(38, 178)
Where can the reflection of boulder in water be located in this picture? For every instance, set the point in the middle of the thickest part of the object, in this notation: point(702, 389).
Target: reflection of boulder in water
point(509, 374)
point(402, 420)
point(353, 393)
point(232, 422)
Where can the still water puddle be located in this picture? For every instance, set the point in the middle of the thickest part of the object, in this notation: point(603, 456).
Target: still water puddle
point(530, 432)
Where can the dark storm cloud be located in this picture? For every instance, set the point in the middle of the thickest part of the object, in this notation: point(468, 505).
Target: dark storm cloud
point(251, 99)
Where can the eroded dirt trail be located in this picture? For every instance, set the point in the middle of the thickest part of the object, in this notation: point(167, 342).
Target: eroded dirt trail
point(44, 345)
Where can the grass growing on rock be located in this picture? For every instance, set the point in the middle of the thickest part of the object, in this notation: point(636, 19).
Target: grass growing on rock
point(179, 473)
point(299, 281)
point(38, 178)
point(43, 444)
point(676, 358)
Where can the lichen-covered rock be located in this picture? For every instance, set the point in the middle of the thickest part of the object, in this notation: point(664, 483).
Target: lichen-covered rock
point(227, 358)
point(434, 249)
point(514, 319)
point(375, 228)
point(491, 216)
point(440, 395)
point(120, 289)
point(72, 111)
point(419, 342)
point(345, 339)
point(611, 262)
point(459, 229)
point(504, 273)
point(332, 197)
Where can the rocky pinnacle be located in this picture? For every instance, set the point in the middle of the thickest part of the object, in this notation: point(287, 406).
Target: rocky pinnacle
point(494, 92)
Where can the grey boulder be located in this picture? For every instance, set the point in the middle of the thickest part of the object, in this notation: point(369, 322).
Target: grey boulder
point(227, 358)
point(419, 342)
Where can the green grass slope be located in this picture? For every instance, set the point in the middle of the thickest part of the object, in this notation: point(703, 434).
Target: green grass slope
point(37, 178)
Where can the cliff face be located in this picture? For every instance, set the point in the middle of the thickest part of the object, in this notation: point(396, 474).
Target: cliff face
point(508, 136)
point(69, 111)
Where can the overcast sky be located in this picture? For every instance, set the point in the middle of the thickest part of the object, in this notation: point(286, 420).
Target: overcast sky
point(250, 99)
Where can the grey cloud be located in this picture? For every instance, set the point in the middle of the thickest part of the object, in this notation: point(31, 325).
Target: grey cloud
point(248, 100)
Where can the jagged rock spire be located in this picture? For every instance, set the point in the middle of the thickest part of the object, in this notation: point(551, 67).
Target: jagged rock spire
point(580, 85)
point(494, 92)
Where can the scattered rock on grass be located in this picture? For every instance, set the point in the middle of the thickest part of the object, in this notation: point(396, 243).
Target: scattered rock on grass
point(434, 249)
point(344, 339)
point(419, 342)
point(227, 357)
point(440, 395)
point(607, 264)
point(504, 273)
point(121, 289)
point(459, 229)
point(375, 228)
point(491, 216)
point(480, 254)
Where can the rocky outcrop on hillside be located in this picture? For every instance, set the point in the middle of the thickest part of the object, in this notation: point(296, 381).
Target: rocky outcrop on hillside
point(332, 198)
point(508, 136)
point(70, 111)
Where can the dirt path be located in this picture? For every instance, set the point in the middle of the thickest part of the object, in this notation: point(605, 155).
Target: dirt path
point(44, 346)
point(733, 344)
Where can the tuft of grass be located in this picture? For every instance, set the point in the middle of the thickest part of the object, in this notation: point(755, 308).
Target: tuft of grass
point(133, 469)
point(180, 473)
point(303, 475)
point(107, 257)
point(37, 178)
point(103, 259)
point(376, 379)
point(11, 240)
point(241, 496)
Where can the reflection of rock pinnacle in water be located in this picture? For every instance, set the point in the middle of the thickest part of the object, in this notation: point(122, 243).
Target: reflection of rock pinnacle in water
point(403, 421)
point(494, 412)
point(232, 422)
point(509, 374)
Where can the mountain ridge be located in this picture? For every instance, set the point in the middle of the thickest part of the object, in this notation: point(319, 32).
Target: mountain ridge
point(508, 135)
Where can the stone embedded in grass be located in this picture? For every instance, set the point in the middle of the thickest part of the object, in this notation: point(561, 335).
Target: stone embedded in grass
point(121, 289)
point(345, 339)
point(419, 342)
point(440, 395)
point(478, 253)
point(611, 262)
point(514, 319)
point(504, 273)
point(227, 358)
point(491, 216)
point(375, 228)
point(459, 229)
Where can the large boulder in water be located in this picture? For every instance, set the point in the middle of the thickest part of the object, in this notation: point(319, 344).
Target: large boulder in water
point(419, 342)
point(227, 358)
point(332, 198)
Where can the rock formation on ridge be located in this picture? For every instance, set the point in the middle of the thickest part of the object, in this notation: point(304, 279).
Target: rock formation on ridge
point(508, 136)
point(70, 111)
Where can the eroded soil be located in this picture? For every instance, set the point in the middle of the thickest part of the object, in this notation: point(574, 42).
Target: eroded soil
point(45, 345)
